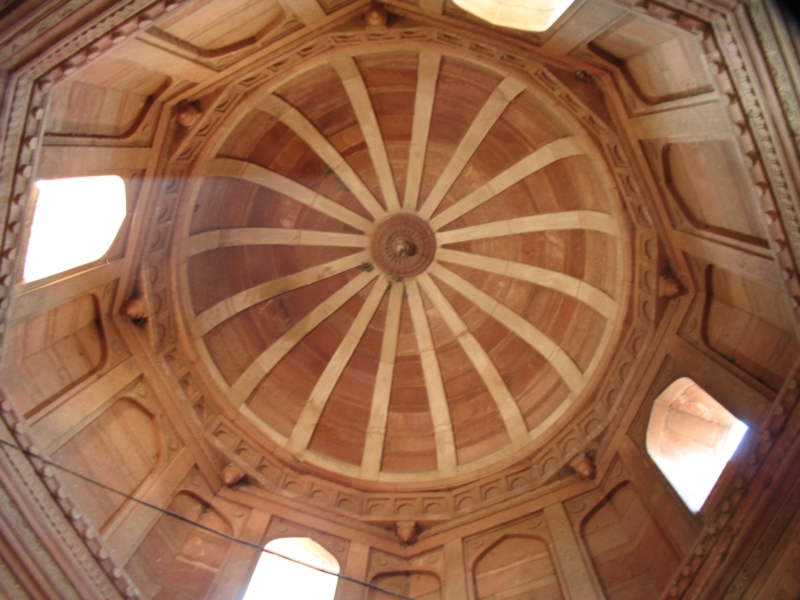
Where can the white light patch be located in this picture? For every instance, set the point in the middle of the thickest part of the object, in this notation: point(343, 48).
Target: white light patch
point(527, 15)
point(694, 476)
point(75, 222)
point(280, 579)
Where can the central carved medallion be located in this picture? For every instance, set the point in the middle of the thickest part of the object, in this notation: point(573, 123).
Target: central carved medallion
point(403, 245)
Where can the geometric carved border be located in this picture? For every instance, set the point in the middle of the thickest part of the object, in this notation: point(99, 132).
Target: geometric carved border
point(58, 511)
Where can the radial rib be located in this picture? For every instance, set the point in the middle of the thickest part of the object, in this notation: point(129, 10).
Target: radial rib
point(575, 219)
point(566, 284)
point(224, 310)
point(427, 74)
point(356, 90)
point(297, 122)
point(437, 399)
point(259, 236)
point(506, 404)
point(548, 154)
point(490, 112)
point(231, 167)
point(247, 382)
point(376, 429)
point(312, 411)
point(536, 339)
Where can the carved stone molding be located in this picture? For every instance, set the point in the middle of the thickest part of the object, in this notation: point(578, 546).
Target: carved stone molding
point(60, 514)
point(728, 527)
point(769, 538)
point(771, 36)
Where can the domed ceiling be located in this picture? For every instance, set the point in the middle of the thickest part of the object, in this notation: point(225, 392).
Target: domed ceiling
point(404, 265)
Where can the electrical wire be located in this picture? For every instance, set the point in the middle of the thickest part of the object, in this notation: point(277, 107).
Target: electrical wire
point(199, 525)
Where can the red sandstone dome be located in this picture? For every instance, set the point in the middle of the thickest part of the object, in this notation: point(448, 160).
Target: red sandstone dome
point(456, 302)
point(403, 266)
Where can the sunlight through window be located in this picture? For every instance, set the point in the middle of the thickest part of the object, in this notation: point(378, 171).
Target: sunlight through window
point(276, 578)
point(527, 15)
point(691, 437)
point(75, 222)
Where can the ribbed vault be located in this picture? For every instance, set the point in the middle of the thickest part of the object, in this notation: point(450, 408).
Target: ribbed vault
point(403, 266)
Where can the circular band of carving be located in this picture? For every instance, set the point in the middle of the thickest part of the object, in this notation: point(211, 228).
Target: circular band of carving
point(403, 245)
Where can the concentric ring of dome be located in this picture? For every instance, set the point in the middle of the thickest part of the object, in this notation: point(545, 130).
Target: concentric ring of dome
point(302, 292)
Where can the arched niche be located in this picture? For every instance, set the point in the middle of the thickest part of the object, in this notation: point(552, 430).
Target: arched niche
point(691, 437)
point(53, 352)
point(281, 579)
point(632, 555)
point(420, 585)
point(122, 448)
point(516, 566)
point(110, 99)
point(749, 325)
point(642, 48)
point(177, 559)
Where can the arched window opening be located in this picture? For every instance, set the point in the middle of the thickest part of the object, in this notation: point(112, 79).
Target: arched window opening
point(533, 15)
point(75, 222)
point(279, 579)
point(691, 437)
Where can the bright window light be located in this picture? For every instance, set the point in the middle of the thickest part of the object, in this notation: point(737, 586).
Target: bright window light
point(691, 437)
point(75, 222)
point(527, 15)
point(276, 578)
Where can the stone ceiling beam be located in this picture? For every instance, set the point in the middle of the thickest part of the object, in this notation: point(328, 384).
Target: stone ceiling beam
point(758, 268)
point(312, 411)
point(490, 112)
point(379, 412)
point(427, 76)
point(247, 382)
point(356, 89)
point(308, 11)
point(233, 305)
point(297, 122)
point(440, 411)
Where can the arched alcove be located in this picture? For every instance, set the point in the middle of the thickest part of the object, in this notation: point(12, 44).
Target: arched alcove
point(517, 567)
point(282, 579)
point(419, 585)
point(75, 222)
point(177, 559)
point(632, 555)
point(55, 351)
point(691, 437)
point(122, 447)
